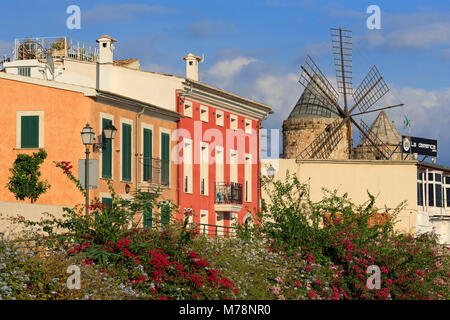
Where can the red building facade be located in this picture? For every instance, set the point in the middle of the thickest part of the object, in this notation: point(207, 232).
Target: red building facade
point(218, 156)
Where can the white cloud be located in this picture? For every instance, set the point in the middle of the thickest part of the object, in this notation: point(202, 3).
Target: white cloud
point(229, 68)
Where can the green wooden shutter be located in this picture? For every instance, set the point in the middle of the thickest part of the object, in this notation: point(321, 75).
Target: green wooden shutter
point(29, 135)
point(107, 202)
point(106, 154)
point(165, 158)
point(126, 152)
point(148, 219)
point(165, 215)
point(148, 141)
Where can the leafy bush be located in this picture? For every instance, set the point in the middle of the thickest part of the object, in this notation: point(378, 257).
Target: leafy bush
point(350, 238)
point(24, 182)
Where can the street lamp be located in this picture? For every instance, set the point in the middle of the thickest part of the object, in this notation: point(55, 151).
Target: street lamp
point(88, 137)
point(271, 172)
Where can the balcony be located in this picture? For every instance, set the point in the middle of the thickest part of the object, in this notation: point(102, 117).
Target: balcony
point(59, 47)
point(228, 197)
point(155, 172)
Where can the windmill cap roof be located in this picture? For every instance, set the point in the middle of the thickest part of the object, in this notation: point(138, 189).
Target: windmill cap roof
point(106, 37)
point(383, 128)
point(313, 104)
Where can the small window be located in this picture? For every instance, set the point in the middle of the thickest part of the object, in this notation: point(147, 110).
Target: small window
point(204, 113)
point(448, 196)
point(25, 71)
point(188, 109)
point(219, 118)
point(430, 177)
point(419, 194)
point(29, 132)
point(248, 126)
point(438, 188)
point(447, 180)
point(438, 177)
point(430, 195)
point(233, 122)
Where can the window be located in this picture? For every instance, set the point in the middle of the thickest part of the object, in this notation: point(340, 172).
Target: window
point(419, 193)
point(447, 191)
point(147, 219)
point(430, 195)
point(204, 167)
point(126, 152)
point(438, 189)
point(29, 132)
point(106, 153)
point(219, 164)
point(204, 113)
point(447, 194)
point(188, 109)
point(219, 118)
point(187, 165)
point(147, 154)
point(29, 129)
point(165, 159)
point(248, 178)
point(24, 71)
point(165, 214)
point(233, 166)
point(248, 126)
point(233, 122)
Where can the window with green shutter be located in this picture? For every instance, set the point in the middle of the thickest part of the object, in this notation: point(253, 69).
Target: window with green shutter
point(148, 142)
point(107, 202)
point(106, 153)
point(148, 219)
point(126, 152)
point(165, 158)
point(165, 214)
point(29, 135)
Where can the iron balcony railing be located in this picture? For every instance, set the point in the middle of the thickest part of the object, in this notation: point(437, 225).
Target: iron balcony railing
point(228, 193)
point(60, 47)
point(155, 171)
point(214, 230)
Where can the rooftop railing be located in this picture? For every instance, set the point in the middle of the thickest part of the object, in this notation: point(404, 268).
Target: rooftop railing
point(60, 47)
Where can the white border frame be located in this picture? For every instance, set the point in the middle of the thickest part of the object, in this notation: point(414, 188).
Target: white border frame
point(19, 115)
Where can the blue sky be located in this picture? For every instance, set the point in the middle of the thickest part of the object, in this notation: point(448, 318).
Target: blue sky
point(255, 47)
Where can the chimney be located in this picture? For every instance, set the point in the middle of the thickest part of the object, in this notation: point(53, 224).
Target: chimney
point(105, 62)
point(192, 66)
point(106, 49)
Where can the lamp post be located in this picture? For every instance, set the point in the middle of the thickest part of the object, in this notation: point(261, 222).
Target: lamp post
point(88, 137)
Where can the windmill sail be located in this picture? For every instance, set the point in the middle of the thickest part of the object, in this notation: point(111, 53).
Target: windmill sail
point(371, 89)
point(371, 139)
point(341, 41)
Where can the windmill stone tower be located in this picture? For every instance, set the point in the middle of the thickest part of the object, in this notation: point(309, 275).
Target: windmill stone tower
point(311, 116)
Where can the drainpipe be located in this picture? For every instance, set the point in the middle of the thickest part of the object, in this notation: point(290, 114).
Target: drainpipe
point(138, 115)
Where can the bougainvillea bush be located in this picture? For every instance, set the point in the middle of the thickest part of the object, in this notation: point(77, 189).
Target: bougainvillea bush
point(351, 238)
point(296, 249)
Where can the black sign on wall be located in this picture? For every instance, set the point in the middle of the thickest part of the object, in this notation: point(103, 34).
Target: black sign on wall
point(421, 146)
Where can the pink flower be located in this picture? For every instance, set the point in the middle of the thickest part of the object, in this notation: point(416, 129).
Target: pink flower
point(278, 279)
point(275, 289)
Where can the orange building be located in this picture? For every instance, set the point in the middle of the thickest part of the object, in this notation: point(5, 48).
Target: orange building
point(46, 114)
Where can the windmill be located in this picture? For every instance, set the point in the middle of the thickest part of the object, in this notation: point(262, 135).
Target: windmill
point(318, 88)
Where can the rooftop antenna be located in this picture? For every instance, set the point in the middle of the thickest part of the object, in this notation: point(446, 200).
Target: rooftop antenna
point(50, 65)
point(371, 89)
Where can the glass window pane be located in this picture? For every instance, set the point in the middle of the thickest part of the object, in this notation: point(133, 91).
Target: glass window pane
point(431, 195)
point(448, 197)
point(430, 177)
point(438, 177)
point(438, 195)
point(420, 194)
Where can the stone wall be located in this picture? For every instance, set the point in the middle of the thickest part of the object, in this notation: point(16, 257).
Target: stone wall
point(299, 133)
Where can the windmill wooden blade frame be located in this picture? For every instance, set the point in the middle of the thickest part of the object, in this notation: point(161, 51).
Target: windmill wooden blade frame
point(341, 43)
point(372, 88)
point(325, 143)
point(322, 87)
point(378, 147)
